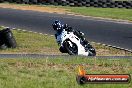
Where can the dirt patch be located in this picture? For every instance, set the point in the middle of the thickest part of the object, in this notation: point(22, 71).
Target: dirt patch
point(34, 8)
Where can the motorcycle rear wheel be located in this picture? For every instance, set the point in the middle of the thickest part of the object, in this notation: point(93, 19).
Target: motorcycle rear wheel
point(72, 50)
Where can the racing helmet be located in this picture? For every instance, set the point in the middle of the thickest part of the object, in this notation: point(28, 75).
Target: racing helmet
point(57, 25)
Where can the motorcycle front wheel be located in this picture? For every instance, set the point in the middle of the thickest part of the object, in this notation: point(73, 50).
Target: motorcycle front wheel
point(71, 47)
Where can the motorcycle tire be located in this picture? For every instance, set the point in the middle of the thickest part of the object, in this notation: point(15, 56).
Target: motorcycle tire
point(63, 50)
point(71, 50)
point(11, 43)
point(8, 38)
point(3, 47)
point(92, 52)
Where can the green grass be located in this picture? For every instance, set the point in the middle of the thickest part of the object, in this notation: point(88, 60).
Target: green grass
point(114, 13)
point(33, 43)
point(59, 72)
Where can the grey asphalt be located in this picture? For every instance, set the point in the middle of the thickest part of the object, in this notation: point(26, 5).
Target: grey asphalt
point(113, 33)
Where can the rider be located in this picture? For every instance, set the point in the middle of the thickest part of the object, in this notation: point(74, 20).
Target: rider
point(58, 27)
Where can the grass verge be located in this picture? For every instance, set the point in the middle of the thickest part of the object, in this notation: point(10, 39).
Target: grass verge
point(112, 13)
point(59, 72)
point(33, 43)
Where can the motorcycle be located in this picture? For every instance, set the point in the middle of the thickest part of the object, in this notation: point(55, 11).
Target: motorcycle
point(71, 43)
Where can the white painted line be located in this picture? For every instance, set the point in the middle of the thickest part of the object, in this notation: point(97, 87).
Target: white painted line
point(35, 32)
point(51, 35)
point(19, 29)
point(122, 48)
point(29, 31)
point(14, 29)
point(24, 30)
point(41, 33)
point(99, 43)
point(104, 44)
point(118, 47)
point(126, 49)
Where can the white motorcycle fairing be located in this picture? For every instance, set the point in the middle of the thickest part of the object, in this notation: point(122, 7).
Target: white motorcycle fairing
point(74, 39)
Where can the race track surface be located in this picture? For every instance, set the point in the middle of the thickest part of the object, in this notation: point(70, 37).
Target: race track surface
point(113, 33)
